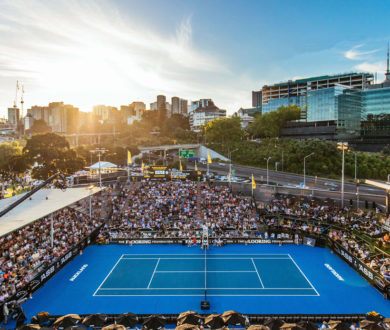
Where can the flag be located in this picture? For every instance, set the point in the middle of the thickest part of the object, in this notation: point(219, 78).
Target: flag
point(129, 162)
point(253, 183)
point(208, 158)
point(181, 167)
point(196, 167)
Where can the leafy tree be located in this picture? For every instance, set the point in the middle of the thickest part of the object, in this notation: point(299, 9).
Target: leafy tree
point(269, 124)
point(50, 153)
point(39, 126)
point(11, 158)
point(224, 130)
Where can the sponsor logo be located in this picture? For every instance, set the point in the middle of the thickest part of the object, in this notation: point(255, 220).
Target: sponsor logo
point(66, 257)
point(34, 284)
point(47, 273)
point(337, 275)
point(21, 294)
point(78, 272)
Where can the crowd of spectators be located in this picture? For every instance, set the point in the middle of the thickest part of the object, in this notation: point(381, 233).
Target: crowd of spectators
point(27, 250)
point(11, 184)
point(179, 209)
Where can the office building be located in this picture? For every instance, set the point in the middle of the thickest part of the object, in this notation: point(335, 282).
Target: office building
point(13, 116)
point(205, 112)
point(179, 106)
point(297, 91)
point(62, 118)
point(132, 112)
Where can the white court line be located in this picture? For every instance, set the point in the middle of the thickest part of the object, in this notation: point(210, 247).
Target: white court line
point(208, 288)
point(209, 271)
point(210, 295)
point(217, 254)
point(304, 275)
point(254, 265)
point(230, 258)
point(108, 275)
point(154, 272)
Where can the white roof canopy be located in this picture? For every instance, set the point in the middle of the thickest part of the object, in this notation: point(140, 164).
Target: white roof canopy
point(102, 165)
point(42, 203)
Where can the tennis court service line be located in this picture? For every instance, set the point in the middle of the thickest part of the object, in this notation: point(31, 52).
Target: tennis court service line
point(304, 275)
point(154, 272)
point(254, 265)
point(108, 275)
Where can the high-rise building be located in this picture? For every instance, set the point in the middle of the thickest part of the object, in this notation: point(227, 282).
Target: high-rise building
point(183, 107)
point(161, 102)
point(62, 118)
point(179, 106)
point(175, 105)
point(133, 111)
point(257, 99)
point(205, 112)
point(297, 91)
point(13, 115)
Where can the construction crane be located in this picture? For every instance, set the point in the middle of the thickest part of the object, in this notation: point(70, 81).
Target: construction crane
point(16, 93)
point(21, 101)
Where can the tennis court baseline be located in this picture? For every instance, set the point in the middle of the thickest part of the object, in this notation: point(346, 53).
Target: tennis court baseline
point(190, 274)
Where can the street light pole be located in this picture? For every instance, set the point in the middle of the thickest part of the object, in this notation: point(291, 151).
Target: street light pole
point(230, 164)
point(304, 168)
point(342, 146)
point(267, 159)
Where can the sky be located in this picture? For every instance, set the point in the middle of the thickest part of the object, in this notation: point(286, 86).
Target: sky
point(114, 52)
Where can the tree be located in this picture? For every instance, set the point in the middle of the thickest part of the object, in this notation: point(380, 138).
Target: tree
point(11, 157)
point(51, 153)
point(39, 126)
point(269, 124)
point(224, 130)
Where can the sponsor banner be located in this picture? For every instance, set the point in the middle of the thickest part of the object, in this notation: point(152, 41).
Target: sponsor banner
point(309, 241)
point(360, 267)
point(43, 275)
point(136, 241)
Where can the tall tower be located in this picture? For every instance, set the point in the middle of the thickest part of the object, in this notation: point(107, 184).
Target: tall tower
point(387, 74)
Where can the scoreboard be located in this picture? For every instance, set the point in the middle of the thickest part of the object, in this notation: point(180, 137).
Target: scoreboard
point(156, 172)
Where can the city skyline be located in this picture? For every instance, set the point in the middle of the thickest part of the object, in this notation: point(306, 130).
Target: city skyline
point(113, 52)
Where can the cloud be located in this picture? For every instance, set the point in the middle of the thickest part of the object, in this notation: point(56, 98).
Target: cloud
point(355, 54)
point(371, 67)
point(90, 52)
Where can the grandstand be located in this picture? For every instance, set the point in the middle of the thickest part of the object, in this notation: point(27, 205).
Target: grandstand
point(162, 247)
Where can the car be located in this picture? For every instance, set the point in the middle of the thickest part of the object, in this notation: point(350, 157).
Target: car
point(331, 184)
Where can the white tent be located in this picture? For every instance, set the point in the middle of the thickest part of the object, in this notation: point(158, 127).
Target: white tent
point(103, 165)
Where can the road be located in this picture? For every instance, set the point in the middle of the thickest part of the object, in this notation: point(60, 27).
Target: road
point(320, 186)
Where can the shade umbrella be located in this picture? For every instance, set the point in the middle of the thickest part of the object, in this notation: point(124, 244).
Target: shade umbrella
point(187, 326)
point(75, 327)
point(214, 321)
point(291, 326)
point(41, 318)
point(114, 327)
point(98, 320)
point(233, 318)
point(308, 325)
point(67, 321)
point(29, 327)
point(273, 323)
point(338, 325)
point(258, 327)
point(369, 325)
point(127, 319)
point(189, 317)
point(155, 322)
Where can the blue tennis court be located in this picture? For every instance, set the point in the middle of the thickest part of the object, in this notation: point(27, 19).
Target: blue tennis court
point(220, 274)
point(169, 279)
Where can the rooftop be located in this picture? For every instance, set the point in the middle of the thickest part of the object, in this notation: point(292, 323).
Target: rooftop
point(41, 204)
